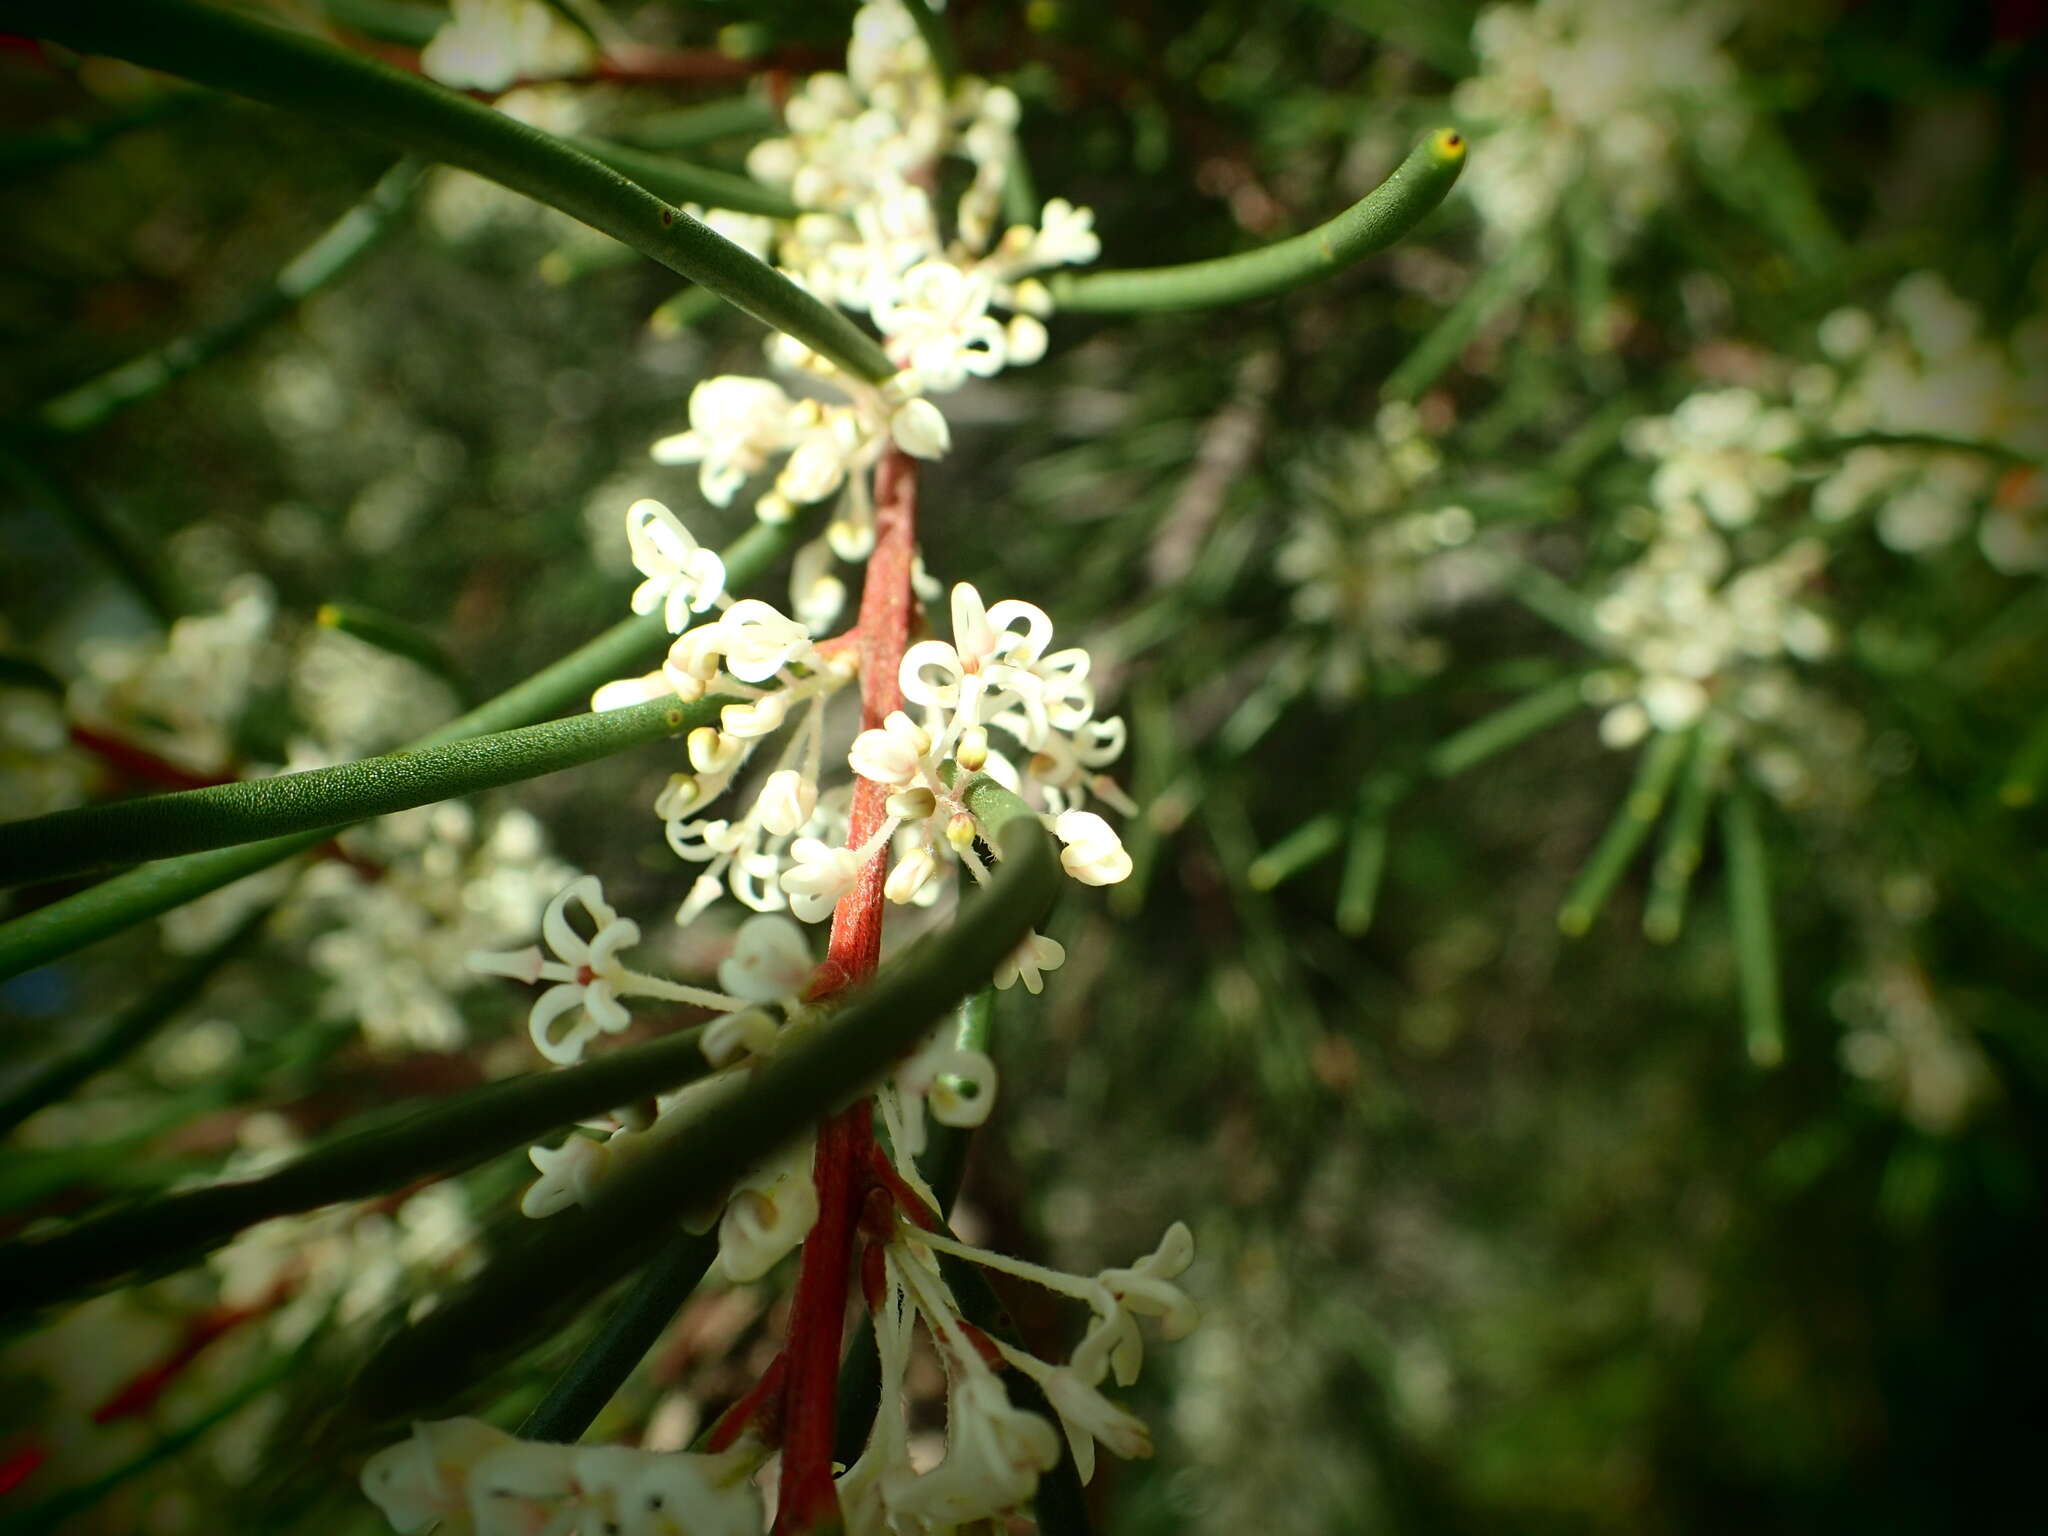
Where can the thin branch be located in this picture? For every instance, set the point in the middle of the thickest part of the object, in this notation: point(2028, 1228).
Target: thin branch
point(301, 74)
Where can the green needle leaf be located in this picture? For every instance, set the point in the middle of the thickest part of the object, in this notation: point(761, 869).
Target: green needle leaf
point(1749, 913)
point(1685, 836)
point(595, 1376)
point(161, 1233)
point(1309, 843)
point(1656, 767)
point(1504, 728)
point(1371, 224)
point(320, 799)
point(392, 634)
point(252, 58)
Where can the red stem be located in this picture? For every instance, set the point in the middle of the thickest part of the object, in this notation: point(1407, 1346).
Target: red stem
point(840, 1170)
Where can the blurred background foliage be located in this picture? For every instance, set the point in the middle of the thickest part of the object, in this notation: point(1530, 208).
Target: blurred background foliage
point(1497, 1228)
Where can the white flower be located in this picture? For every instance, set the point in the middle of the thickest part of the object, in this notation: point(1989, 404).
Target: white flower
point(589, 973)
point(1066, 235)
point(569, 1175)
point(1093, 854)
point(908, 879)
point(770, 960)
point(893, 752)
point(424, 1478)
point(787, 801)
point(757, 642)
point(769, 1212)
point(821, 875)
point(523, 1488)
point(486, 45)
point(937, 325)
point(1034, 955)
point(736, 425)
point(1086, 1416)
point(995, 1453)
point(1146, 1287)
point(680, 574)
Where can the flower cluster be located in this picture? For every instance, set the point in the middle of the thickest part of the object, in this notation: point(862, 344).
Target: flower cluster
point(1370, 558)
point(1593, 93)
point(859, 156)
point(462, 1475)
point(1694, 635)
point(488, 45)
point(1932, 371)
point(997, 675)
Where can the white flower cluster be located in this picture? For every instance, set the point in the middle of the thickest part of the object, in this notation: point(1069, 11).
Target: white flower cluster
point(1932, 369)
point(996, 1451)
point(180, 696)
point(462, 1477)
point(1722, 452)
point(1596, 91)
point(998, 674)
point(859, 157)
point(1694, 636)
point(394, 925)
point(488, 45)
point(1370, 558)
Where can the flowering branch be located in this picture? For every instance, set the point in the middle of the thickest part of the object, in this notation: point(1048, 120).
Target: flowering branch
point(1371, 224)
point(265, 63)
point(810, 1396)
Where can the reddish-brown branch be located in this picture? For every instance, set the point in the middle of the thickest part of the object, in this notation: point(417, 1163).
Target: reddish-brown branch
point(841, 1167)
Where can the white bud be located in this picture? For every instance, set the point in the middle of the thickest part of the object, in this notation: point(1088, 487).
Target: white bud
point(920, 430)
point(787, 801)
point(909, 876)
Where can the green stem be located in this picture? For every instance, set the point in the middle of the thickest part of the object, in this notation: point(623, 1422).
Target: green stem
point(161, 1233)
point(2021, 783)
point(142, 576)
point(1371, 224)
point(395, 635)
point(594, 1377)
point(46, 1081)
point(338, 248)
point(1685, 836)
point(1500, 285)
point(681, 182)
point(1749, 915)
point(1504, 728)
point(1365, 864)
point(536, 1284)
point(69, 925)
point(1934, 442)
point(687, 127)
point(1307, 844)
point(247, 56)
point(322, 799)
point(1656, 767)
